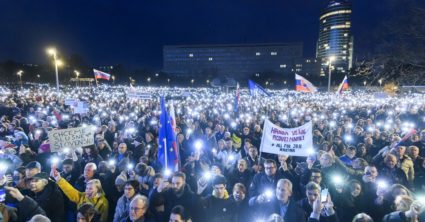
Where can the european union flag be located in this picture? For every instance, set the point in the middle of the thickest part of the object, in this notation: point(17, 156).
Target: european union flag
point(255, 89)
point(167, 148)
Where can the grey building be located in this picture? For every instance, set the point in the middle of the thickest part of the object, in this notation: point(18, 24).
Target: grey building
point(234, 60)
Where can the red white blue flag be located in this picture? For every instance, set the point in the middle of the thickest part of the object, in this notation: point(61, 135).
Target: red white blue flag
point(101, 75)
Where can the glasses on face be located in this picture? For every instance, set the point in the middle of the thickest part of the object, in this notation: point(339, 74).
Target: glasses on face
point(136, 209)
point(269, 167)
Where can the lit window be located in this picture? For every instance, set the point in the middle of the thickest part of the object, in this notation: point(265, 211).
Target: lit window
point(283, 66)
point(191, 55)
point(344, 51)
point(210, 59)
point(273, 53)
point(335, 13)
point(345, 34)
point(257, 53)
point(324, 21)
point(327, 47)
point(340, 26)
point(345, 46)
point(344, 57)
point(308, 61)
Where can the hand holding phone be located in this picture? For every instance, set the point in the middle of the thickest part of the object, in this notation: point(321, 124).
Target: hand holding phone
point(324, 195)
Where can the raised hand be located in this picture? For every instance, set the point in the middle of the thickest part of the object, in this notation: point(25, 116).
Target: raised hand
point(15, 193)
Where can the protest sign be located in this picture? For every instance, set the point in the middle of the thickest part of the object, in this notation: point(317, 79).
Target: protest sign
point(81, 108)
point(70, 138)
point(71, 102)
point(290, 141)
point(132, 94)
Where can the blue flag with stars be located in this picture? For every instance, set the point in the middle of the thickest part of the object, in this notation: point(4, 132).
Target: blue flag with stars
point(167, 149)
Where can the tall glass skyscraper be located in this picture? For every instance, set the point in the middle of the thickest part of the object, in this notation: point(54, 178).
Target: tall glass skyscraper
point(335, 39)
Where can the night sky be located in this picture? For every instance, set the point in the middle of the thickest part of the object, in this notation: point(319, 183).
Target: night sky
point(133, 32)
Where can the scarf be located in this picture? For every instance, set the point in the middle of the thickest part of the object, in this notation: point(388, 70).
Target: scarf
point(226, 194)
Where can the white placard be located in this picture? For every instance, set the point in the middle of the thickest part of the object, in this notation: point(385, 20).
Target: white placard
point(290, 141)
point(70, 138)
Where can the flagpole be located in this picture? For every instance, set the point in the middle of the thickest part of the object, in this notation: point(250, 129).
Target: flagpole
point(165, 153)
point(95, 79)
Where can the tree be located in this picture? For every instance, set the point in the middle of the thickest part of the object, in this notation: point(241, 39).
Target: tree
point(400, 55)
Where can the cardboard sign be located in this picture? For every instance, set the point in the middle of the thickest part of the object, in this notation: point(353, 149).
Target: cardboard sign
point(70, 138)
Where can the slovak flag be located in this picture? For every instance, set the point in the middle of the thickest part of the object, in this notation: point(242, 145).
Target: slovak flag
point(303, 85)
point(343, 86)
point(101, 75)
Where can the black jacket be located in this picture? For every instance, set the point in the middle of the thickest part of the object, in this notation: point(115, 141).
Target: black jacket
point(27, 208)
point(216, 210)
point(261, 183)
point(307, 210)
point(187, 199)
point(51, 201)
point(294, 212)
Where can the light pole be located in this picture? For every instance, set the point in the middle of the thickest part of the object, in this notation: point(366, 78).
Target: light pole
point(20, 76)
point(52, 51)
point(113, 80)
point(331, 59)
point(380, 82)
point(77, 74)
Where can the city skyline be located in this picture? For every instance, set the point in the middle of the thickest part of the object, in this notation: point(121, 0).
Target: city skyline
point(133, 35)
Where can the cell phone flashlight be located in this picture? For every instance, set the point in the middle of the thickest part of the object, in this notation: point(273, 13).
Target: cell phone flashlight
point(2, 195)
point(324, 195)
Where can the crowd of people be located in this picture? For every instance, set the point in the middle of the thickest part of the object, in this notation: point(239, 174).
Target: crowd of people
point(368, 161)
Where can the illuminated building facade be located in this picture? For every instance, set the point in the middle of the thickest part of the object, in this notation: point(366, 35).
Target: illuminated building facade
point(335, 39)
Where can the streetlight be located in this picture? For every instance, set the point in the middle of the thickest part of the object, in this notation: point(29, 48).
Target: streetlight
point(331, 59)
point(380, 82)
point(20, 76)
point(364, 83)
point(52, 52)
point(192, 81)
point(149, 81)
point(113, 79)
point(76, 74)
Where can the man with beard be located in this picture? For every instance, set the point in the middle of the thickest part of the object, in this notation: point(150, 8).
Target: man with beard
point(48, 196)
point(179, 193)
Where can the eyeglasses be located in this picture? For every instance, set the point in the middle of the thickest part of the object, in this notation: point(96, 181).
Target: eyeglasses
point(269, 168)
point(136, 209)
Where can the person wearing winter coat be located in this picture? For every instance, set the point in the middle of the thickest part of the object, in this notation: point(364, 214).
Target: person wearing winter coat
point(131, 188)
point(27, 207)
point(93, 194)
point(48, 196)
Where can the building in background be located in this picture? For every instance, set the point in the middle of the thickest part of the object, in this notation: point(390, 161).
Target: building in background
point(239, 61)
point(335, 38)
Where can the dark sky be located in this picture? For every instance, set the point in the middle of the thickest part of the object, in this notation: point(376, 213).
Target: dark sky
point(132, 32)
